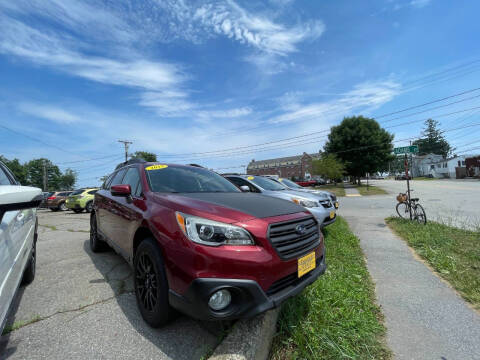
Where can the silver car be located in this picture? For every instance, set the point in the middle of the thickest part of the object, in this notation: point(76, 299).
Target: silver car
point(18, 235)
point(294, 186)
point(321, 206)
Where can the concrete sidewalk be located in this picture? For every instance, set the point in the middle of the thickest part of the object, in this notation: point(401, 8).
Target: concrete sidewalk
point(425, 318)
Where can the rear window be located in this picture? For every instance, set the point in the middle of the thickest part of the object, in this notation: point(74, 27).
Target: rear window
point(91, 192)
point(186, 179)
point(77, 192)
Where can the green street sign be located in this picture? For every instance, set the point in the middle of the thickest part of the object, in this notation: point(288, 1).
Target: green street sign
point(412, 149)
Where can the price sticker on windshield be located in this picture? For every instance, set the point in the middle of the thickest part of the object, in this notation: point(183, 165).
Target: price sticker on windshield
point(250, 177)
point(156, 167)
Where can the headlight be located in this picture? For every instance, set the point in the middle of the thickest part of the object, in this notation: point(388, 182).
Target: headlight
point(305, 203)
point(212, 233)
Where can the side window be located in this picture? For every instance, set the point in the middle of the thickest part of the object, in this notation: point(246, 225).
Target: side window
point(106, 183)
point(117, 179)
point(241, 182)
point(4, 180)
point(132, 178)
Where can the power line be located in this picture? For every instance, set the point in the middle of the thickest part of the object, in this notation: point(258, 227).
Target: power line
point(327, 130)
point(293, 144)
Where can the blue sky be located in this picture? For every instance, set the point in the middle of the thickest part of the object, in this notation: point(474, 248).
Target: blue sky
point(185, 79)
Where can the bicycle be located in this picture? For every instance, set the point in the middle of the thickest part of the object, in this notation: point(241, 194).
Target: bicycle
point(410, 206)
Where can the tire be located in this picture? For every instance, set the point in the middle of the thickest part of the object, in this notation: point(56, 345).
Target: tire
point(89, 207)
point(63, 207)
point(419, 214)
point(96, 244)
point(77, 211)
point(29, 273)
point(402, 210)
point(151, 286)
point(54, 209)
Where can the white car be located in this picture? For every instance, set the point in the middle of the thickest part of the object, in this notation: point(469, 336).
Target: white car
point(18, 236)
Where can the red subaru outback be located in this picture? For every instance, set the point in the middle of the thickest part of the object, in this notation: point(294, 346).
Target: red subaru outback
point(199, 245)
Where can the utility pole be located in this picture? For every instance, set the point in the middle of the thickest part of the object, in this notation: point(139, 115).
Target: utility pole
point(45, 177)
point(125, 143)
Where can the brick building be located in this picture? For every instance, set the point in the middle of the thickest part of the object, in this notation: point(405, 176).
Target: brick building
point(299, 166)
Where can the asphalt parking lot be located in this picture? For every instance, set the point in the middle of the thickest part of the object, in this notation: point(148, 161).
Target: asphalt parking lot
point(452, 201)
point(82, 306)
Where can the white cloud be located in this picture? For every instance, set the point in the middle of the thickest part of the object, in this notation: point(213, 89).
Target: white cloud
point(49, 112)
point(366, 96)
point(229, 19)
point(420, 3)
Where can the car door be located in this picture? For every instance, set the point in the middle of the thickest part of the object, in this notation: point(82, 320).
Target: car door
point(108, 210)
point(16, 238)
point(128, 214)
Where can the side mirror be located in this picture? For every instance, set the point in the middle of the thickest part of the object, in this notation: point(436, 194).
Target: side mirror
point(19, 198)
point(245, 188)
point(121, 190)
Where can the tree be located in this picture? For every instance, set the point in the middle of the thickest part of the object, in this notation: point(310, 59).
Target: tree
point(68, 180)
point(432, 140)
point(35, 172)
point(329, 167)
point(17, 169)
point(145, 155)
point(361, 144)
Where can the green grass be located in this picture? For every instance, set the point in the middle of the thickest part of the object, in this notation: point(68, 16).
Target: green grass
point(19, 324)
point(422, 178)
point(51, 227)
point(371, 190)
point(337, 190)
point(452, 252)
point(336, 317)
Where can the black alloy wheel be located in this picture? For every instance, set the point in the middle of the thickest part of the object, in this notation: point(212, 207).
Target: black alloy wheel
point(63, 207)
point(89, 207)
point(151, 286)
point(96, 244)
point(147, 282)
point(77, 211)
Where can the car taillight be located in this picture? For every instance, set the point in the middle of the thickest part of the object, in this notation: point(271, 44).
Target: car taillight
point(52, 198)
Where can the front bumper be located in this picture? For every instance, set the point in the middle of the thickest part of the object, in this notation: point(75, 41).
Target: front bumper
point(323, 215)
point(248, 298)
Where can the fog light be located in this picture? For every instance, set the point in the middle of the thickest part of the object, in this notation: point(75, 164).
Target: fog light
point(220, 300)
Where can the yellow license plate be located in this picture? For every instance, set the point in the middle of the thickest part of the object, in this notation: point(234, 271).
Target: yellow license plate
point(336, 205)
point(332, 214)
point(306, 263)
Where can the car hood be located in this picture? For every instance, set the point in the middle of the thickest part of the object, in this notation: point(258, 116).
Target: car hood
point(233, 207)
point(288, 194)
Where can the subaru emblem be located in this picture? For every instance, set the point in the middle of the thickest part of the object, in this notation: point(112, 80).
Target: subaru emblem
point(300, 229)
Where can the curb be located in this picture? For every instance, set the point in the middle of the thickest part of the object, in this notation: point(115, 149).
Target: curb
point(250, 339)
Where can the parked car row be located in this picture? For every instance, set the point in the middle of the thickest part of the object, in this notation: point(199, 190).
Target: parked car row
point(213, 247)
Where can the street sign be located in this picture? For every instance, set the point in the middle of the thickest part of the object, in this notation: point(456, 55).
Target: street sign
point(412, 149)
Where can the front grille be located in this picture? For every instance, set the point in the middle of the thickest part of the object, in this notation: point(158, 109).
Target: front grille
point(288, 242)
point(289, 280)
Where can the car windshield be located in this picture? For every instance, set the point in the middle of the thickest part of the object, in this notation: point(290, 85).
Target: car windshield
point(185, 179)
point(266, 183)
point(291, 184)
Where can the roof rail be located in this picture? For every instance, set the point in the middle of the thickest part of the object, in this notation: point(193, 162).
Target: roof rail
point(196, 165)
point(129, 162)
